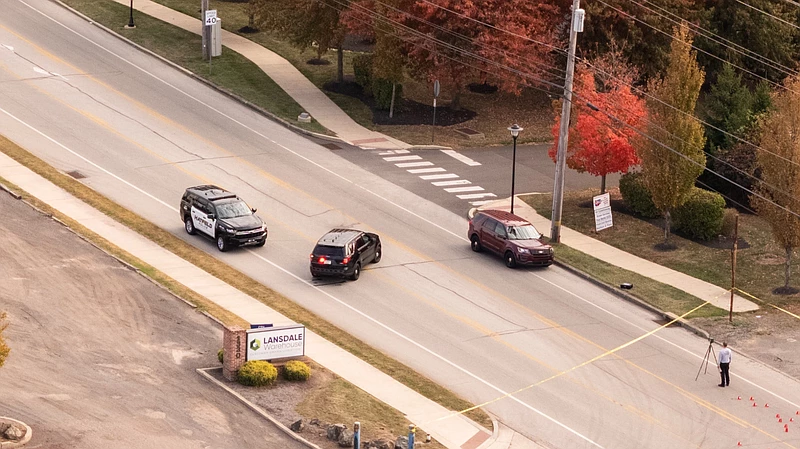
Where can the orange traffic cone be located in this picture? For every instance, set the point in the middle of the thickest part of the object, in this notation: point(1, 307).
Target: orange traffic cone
point(739, 443)
point(766, 405)
point(780, 419)
point(777, 415)
point(754, 404)
point(738, 398)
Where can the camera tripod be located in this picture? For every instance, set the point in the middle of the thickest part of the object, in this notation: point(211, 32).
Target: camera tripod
point(709, 352)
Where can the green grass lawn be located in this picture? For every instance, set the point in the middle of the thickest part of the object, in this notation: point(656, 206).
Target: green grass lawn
point(760, 266)
point(230, 71)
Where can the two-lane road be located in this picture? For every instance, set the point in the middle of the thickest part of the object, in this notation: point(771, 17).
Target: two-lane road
point(140, 132)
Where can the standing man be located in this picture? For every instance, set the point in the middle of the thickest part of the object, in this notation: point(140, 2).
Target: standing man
point(724, 365)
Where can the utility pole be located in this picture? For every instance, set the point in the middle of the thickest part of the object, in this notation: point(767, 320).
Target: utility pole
point(206, 31)
point(576, 26)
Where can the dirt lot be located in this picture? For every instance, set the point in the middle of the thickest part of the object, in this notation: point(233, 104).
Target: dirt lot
point(101, 357)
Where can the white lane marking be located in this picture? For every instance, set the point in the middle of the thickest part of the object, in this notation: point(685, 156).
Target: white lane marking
point(475, 196)
point(444, 176)
point(402, 158)
point(451, 183)
point(480, 203)
point(386, 153)
point(401, 151)
point(464, 189)
point(8, 47)
point(335, 174)
point(429, 351)
point(413, 164)
point(461, 157)
point(417, 171)
point(86, 160)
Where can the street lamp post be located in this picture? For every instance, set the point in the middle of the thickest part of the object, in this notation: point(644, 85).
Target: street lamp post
point(130, 20)
point(515, 129)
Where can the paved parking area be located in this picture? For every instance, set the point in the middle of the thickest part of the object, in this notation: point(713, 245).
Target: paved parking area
point(101, 357)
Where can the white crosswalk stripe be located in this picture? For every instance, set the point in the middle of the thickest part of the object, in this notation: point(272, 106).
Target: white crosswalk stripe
point(402, 158)
point(455, 182)
point(480, 203)
point(443, 176)
point(475, 196)
point(461, 157)
point(413, 164)
point(464, 189)
point(426, 170)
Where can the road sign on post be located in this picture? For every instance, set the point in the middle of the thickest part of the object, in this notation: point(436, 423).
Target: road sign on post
point(211, 17)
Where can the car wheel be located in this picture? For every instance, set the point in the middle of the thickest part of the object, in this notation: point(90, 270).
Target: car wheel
point(222, 245)
point(189, 226)
point(378, 254)
point(315, 275)
point(476, 244)
point(356, 272)
point(260, 244)
point(511, 262)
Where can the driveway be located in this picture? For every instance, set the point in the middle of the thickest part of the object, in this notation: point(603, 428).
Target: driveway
point(101, 357)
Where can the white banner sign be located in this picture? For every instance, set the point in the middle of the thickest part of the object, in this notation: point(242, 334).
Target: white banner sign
point(276, 342)
point(602, 211)
point(211, 17)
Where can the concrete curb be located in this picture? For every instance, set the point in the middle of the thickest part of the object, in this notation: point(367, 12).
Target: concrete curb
point(495, 435)
point(23, 441)
point(14, 194)
point(203, 372)
point(219, 89)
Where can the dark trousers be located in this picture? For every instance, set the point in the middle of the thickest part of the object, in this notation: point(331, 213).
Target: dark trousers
point(724, 374)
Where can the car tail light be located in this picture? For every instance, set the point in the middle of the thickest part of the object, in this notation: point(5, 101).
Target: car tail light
point(345, 261)
point(321, 259)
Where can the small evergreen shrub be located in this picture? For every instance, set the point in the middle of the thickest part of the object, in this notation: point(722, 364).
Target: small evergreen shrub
point(257, 373)
point(221, 356)
point(382, 91)
point(296, 370)
point(362, 70)
point(636, 196)
point(729, 222)
point(700, 217)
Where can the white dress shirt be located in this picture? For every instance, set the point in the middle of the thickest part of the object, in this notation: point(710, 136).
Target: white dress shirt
point(725, 355)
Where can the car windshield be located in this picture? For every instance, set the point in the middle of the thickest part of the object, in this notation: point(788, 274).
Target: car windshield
point(526, 232)
point(233, 209)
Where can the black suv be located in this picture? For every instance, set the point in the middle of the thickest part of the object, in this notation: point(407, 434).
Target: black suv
point(222, 216)
point(342, 252)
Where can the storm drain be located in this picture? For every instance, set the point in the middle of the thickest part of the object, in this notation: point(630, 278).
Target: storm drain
point(76, 174)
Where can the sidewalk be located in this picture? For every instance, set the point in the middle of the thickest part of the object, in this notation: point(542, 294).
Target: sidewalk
point(304, 92)
point(717, 296)
point(454, 433)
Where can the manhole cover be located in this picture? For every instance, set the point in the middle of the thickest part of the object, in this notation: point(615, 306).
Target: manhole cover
point(331, 146)
point(76, 174)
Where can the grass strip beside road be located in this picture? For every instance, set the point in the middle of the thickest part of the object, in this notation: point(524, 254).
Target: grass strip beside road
point(230, 71)
point(229, 275)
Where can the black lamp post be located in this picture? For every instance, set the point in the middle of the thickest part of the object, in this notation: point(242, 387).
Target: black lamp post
point(515, 129)
point(130, 21)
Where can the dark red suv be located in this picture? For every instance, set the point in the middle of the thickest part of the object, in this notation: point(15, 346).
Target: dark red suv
point(511, 236)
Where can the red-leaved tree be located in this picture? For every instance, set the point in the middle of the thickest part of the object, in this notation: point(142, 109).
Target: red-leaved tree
point(600, 140)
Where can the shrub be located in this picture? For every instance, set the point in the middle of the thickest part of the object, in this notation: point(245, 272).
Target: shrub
point(729, 222)
point(700, 217)
point(257, 373)
point(362, 69)
point(636, 196)
point(382, 91)
point(296, 370)
point(221, 356)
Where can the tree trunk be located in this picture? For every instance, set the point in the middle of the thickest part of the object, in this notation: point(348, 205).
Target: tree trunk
point(602, 184)
point(667, 226)
point(788, 272)
point(251, 20)
point(340, 63)
point(456, 103)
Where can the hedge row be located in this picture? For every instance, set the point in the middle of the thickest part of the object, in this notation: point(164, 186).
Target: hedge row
point(699, 217)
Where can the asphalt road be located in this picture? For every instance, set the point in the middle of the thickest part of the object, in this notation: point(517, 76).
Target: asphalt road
point(101, 357)
point(140, 132)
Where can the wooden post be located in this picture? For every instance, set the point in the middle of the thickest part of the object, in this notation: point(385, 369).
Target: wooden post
point(206, 31)
point(733, 264)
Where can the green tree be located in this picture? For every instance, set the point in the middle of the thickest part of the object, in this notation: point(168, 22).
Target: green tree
point(4, 349)
point(673, 160)
point(780, 174)
point(728, 106)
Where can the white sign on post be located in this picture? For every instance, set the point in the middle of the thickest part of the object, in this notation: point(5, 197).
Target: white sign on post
point(602, 211)
point(276, 342)
point(211, 17)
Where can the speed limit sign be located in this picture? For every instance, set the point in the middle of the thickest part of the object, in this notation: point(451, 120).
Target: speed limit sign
point(211, 17)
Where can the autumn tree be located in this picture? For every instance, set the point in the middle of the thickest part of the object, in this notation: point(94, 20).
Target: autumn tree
point(780, 173)
point(305, 23)
point(672, 158)
point(4, 349)
point(604, 126)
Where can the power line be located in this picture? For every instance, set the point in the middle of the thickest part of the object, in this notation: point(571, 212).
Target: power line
point(768, 14)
